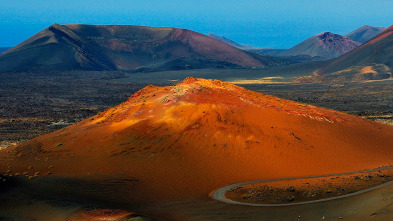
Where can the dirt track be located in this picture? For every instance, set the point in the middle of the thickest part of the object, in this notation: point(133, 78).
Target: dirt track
point(220, 193)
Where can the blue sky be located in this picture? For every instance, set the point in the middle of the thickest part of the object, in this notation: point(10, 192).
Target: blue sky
point(263, 23)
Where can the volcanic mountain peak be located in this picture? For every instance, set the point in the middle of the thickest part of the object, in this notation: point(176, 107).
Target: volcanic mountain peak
point(367, 27)
point(370, 61)
point(386, 33)
point(210, 83)
point(365, 33)
point(326, 45)
point(329, 36)
point(124, 47)
point(165, 103)
point(326, 34)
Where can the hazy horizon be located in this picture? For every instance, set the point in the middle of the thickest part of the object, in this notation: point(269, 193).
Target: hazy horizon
point(278, 24)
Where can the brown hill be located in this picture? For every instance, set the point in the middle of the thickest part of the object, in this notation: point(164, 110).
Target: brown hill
point(184, 141)
point(371, 61)
point(123, 47)
point(365, 33)
point(323, 46)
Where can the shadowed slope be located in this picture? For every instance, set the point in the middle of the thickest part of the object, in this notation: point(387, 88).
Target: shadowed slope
point(124, 47)
point(186, 140)
point(54, 48)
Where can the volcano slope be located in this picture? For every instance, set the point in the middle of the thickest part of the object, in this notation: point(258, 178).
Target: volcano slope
point(165, 149)
point(365, 33)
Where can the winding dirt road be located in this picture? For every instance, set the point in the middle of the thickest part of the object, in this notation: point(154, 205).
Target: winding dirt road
point(219, 194)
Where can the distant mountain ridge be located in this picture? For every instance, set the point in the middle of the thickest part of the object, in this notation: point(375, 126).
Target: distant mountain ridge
point(3, 49)
point(325, 45)
point(124, 47)
point(234, 44)
point(371, 61)
point(365, 33)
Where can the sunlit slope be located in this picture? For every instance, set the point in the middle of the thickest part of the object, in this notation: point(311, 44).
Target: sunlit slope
point(199, 135)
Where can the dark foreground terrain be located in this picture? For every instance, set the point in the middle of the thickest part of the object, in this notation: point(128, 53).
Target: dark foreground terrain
point(32, 104)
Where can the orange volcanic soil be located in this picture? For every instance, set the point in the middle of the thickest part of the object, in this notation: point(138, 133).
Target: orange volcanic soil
point(186, 140)
point(101, 214)
point(104, 215)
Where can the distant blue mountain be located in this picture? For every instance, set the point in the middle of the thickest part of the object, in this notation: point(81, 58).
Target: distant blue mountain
point(3, 49)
